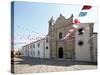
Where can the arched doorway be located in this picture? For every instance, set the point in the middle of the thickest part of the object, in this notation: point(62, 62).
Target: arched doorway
point(60, 52)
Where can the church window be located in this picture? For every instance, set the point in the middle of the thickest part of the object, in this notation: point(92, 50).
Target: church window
point(81, 31)
point(80, 43)
point(60, 35)
point(46, 47)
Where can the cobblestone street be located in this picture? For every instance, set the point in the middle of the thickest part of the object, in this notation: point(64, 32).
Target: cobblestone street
point(33, 65)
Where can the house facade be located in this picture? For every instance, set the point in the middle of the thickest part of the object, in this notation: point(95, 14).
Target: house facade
point(38, 49)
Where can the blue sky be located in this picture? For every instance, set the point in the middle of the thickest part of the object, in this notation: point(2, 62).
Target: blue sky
point(31, 19)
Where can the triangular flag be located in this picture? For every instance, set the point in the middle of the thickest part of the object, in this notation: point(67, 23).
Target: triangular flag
point(76, 21)
point(82, 14)
point(86, 7)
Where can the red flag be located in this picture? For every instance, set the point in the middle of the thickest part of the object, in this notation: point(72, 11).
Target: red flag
point(76, 21)
point(86, 7)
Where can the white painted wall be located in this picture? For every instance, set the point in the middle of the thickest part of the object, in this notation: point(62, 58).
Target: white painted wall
point(82, 53)
point(23, 51)
point(29, 50)
point(40, 49)
point(47, 51)
point(36, 50)
point(33, 52)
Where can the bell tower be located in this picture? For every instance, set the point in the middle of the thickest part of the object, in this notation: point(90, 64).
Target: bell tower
point(51, 21)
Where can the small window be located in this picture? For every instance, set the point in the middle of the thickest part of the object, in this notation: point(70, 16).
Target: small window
point(80, 43)
point(33, 46)
point(38, 53)
point(46, 47)
point(60, 35)
point(81, 31)
point(38, 44)
point(46, 39)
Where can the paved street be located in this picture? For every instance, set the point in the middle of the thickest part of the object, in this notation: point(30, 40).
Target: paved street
point(33, 65)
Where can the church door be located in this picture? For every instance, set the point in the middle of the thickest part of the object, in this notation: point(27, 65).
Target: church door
point(60, 52)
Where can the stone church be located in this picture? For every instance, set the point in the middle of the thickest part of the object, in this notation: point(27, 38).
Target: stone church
point(57, 30)
point(78, 46)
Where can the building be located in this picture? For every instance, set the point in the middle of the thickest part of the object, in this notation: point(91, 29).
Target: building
point(81, 45)
point(84, 42)
point(57, 30)
point(38, 49)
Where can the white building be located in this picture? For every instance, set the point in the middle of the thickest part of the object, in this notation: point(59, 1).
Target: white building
point(38, 49)
point(85, 43)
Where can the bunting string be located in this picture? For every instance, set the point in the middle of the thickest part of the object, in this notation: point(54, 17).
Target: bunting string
point(76, 23)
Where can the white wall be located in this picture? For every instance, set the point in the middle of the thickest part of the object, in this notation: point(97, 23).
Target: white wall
point(36, 50)
point(82, 53)
point(47, 51)
point(41, 49)
point(23, 51)
point(33, 52)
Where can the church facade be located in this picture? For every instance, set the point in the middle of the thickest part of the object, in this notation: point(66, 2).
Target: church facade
point(57, 30)
point(78, 46)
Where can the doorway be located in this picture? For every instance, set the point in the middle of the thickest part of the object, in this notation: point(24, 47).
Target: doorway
point(60, 52)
